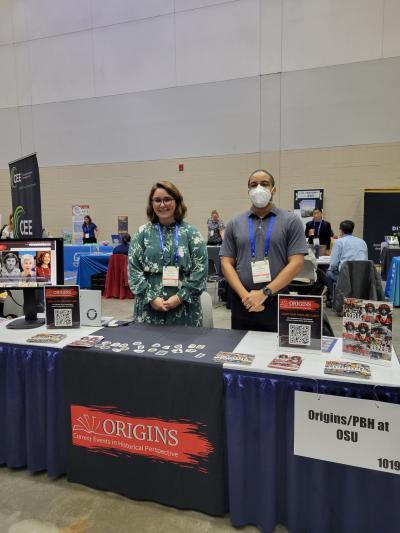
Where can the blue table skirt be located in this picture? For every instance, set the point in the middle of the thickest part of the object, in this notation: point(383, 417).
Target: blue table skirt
point(73, 253)
point(392, 287)
point(32, 426)
point(89, 265)
point(269, 485)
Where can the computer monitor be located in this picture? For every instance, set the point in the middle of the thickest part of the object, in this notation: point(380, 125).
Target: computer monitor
point(30, 264)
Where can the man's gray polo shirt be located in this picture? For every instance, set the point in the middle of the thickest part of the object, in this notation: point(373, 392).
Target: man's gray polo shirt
point(287, 239)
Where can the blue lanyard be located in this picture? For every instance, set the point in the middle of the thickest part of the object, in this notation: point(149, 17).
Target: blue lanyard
point(267, 240)
point(176, 255)
point(319, 228)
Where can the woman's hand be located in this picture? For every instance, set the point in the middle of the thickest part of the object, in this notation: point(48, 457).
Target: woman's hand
point(172, 302)
point(158, 304)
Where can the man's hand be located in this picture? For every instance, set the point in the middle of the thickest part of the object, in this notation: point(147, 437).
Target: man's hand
point(254, 301)
point(172, 302)
point(158, 304)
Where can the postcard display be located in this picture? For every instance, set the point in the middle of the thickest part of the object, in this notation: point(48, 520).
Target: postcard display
point(367, 331)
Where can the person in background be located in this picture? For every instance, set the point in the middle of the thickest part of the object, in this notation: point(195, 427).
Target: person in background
point(90, 231)
point(167, 262)
point(216, 228)
point(346, 248)
point(10, 265)
point(43, 266)
point(7, 231)
point(319, 232)
point(262, 252)
point(123, 248)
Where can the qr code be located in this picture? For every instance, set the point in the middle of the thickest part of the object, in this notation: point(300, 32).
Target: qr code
point(62, 317)
point(300, 334)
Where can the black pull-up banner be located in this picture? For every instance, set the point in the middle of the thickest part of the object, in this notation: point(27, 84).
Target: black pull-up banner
point(381, 218)
point(25, 195)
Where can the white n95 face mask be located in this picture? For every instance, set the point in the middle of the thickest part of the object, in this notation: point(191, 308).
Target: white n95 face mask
point(260, 196)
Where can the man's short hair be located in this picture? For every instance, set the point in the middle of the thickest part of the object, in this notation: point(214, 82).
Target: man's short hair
point(264, 172)
point(347, 227)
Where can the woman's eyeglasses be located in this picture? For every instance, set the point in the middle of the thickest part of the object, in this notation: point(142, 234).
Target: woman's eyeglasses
point(165, 201)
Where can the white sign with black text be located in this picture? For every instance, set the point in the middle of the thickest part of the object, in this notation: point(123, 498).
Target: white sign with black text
point(363, 433)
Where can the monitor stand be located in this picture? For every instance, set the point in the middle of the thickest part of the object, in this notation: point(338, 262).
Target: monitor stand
point(30, 320)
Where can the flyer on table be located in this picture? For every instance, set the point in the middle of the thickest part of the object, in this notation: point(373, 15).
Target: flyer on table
point(300, 322)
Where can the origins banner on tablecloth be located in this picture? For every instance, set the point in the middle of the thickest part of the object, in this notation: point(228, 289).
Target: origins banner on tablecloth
point(144, 413)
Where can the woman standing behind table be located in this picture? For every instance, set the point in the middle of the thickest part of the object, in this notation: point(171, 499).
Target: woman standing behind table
point(90, 231)
point(43, 267)
point(167, 264)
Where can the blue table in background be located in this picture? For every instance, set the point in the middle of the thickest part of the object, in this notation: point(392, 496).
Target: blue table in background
point(73, 253)
point(392, 288)
point(89, 265)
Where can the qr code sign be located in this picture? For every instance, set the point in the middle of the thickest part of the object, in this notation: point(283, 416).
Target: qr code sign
point(62, 318)
point(300, 334)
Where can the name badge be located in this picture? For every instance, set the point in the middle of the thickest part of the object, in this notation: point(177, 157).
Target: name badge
point(170, 276)
point(260, 271)
point(86, 235)
point(211, 232)
point(316, 241)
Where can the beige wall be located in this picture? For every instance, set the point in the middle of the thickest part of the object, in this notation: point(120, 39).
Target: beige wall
point(214, 183)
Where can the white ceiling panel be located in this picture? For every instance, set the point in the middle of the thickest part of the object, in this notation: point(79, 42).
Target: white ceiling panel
point(318, 33)
point(271, 36)
point(9, 136)
point(270, 112)
point(341, 105)
point(184, 5)
point(218, 43)
point(62, 68)
point(391, 28)
point(219, 118)
point(106, 12)
point(8, 87)
point(129, 59)
point(23, 73)
point(6, 27)
point(44, 18)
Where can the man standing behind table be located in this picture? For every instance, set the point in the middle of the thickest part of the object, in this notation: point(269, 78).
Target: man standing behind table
point(346, 248)
point(263, 250)
point(319, 232)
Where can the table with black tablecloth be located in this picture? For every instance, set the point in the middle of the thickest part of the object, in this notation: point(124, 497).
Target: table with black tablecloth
point(149, 425)
point(387, 255)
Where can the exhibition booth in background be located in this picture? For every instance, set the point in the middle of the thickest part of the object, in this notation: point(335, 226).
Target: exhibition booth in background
point(150, 413)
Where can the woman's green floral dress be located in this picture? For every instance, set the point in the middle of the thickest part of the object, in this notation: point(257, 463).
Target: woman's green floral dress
point(145, 267)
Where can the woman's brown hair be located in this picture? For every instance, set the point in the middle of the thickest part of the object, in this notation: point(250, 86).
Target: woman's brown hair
point(39, 260)
point(180, 209)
